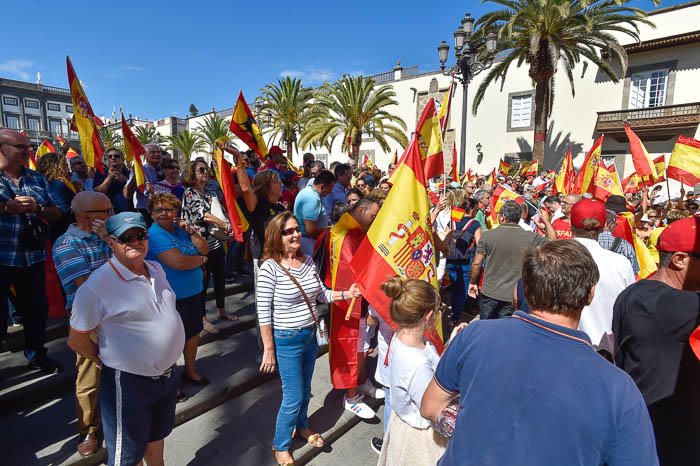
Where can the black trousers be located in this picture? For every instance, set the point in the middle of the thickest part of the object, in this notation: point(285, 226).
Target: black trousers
point(216, 266)
point(490, 308)
point(30, 301)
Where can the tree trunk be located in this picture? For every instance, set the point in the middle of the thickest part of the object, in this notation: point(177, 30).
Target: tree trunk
point(541, 111)
point(355, 154)
point(289, 151)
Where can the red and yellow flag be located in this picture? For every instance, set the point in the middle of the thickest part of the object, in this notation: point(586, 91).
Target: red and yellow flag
point(457, 214)
point(367, 162)
point(60, 140)
point(586, 175)
point(632, 183)
point(395, 160)
point(244, 126)
point(684, 165)
point(491, 179)
point(445, 109)
point(530, 169)
point(429, 141)
point(44, 148)
point(643, 164)
point(503, 167)
point(224, 175)
point(70, 153)
point(133, 150)
point(660, 164)
point(499, 196)
point(605, 184)
point(625, 230)
point(84, 121)
point(563, 182)
point(400, 241)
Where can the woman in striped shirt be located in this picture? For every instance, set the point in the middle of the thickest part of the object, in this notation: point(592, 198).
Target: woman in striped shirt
point(287, 289)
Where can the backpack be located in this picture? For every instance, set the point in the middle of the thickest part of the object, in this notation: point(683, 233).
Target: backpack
point(460, 243)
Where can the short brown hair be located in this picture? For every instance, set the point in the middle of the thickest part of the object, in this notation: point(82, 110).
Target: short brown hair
point(163, 198)
point(262, 181)
point(274, 247)
point(410, 300)
point(190, 178)
point(558, 277)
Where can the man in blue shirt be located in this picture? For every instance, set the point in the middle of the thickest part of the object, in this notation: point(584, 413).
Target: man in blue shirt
point(343, 175)
point(533, 390)
point(309, 211)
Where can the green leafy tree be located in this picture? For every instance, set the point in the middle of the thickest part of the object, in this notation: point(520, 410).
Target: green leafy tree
point(111, 138)
point(147, 134)
point(546, 34)
point(287, 103)
point(187, 143)
point(349, 108)
point(214, 127)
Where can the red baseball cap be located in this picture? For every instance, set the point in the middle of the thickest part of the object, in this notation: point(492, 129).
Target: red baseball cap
point(588, 208)
point(276, 150)
point(681, 236)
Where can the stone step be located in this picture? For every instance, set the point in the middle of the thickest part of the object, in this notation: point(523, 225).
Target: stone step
point(58, 328)
point(20, 388)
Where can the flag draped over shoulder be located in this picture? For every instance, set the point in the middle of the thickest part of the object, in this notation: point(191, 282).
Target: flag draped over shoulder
point(400, 240)
point(500, 195)
point(244, 126)
point(224, 176)
point(84, 120)
point(429, 140)
point(586, 175)
point(563, 182)
point(643, 164)
point(133, 150)
point(684, 165)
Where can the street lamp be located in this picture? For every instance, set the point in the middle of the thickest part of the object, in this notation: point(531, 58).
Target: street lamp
point(467, 65)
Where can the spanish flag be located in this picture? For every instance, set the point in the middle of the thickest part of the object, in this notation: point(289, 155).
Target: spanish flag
point(457, 214)
point(586, 175)
point(643, 164)
point(566, 177)
point(224, 176)
point(632, 183)
point(660, 164)
point(400, 241)
point(530, 169)
point(44, 148)
point(70, 153)
point(429, 141)
point(84, 120)
point(503, 167)
point(395, 160)
point(244, 126)
point(367, 162)
point(684, 165)
point(60, 140)
point(445, 108)
point(491, 179)
point(500, 195)
point(625, 229)
point(605, 184)
point(133, 150)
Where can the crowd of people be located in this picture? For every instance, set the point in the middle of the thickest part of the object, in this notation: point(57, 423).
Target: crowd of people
point(558, 351)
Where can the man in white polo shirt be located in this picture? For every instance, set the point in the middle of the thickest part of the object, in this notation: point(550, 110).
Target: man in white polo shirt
point(588, 217)
point(130, 305)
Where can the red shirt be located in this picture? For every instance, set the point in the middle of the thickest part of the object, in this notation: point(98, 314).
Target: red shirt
point(562, 228)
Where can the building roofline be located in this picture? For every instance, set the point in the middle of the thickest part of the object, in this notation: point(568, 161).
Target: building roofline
point(673, 8)
point(664, 42)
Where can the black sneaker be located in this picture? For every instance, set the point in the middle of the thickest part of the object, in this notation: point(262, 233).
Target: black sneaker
point(45, 365)
point(376, 444)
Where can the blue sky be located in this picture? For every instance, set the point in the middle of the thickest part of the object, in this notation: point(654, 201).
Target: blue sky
point(155, 57)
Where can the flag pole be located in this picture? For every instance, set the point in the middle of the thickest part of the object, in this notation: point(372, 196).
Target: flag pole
point(668, 191)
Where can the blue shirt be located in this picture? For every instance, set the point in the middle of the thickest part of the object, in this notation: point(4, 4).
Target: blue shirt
point(339, 193)
point(308, 206)
point(185, 283)
point(12, 252)
point(153, 176)
point(533, 393)
point(77, 253)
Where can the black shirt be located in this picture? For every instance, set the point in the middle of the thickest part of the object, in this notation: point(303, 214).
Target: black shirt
point(652, 323)
point(259, 218)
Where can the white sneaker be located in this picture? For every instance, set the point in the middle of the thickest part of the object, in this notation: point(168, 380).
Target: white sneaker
point(358, 407)
point(370, 390)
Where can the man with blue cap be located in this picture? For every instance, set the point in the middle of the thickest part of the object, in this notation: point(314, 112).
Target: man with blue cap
point(130, 305)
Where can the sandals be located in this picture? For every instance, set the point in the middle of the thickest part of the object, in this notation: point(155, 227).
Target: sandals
point(280, 464)
point(315, 440)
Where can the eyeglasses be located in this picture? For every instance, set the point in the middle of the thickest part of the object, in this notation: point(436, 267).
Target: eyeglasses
point(291, 231)
point(158, 210)
point(202, 170)
point(172, 167)
point(127, 238)
point(21, 147)
point(114, 156)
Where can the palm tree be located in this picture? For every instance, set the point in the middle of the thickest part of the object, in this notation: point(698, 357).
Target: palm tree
point(147, 134)
point(187, 143)
point(350, 107)
point(214, 127)
point(287, 103)
point(546, 33)
point(111, 138)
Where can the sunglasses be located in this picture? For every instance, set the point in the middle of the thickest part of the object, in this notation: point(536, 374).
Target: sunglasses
point(202, 170)
point(291, 231)
point(114, 156)
point(127, 238)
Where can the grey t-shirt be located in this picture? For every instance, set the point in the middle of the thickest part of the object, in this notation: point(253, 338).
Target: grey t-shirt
point(504, 248)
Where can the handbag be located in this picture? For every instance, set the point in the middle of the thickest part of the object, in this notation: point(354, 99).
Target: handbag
point(215, 230)
point(35, 231)
point(321, 328)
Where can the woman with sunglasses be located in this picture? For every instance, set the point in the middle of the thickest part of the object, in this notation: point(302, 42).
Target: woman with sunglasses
point(182, 252)
point(197, 211)
point(287, 289)
point(171, 183)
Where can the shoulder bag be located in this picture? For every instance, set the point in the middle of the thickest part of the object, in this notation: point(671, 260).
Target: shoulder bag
point(321, 330)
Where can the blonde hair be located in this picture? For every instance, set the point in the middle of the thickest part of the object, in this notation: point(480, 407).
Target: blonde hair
point(411, 300)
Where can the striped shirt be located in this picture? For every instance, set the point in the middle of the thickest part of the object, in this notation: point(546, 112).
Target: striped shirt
point(279, 300)
point(77, 253)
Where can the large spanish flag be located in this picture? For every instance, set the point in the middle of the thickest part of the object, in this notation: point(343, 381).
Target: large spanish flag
point(84, 120)
point(565, 179)
point(400, 241)
point(244, 126)
point(606, 183)
point(643, 163)
point(684, 165)
point(429, 140)
point(133, 151)
point(342, 242)
point(499, 196)
point(224, 176)
point(586, 175)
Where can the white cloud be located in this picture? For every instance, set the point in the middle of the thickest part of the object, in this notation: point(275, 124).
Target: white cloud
point(17, 68)
point(132, 68)
point(312, 75)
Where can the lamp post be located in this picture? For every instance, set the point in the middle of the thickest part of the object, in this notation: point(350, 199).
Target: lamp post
point(468, 64)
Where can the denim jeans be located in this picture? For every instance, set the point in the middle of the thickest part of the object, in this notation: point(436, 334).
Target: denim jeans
point(296, 351)
point(459, 272)
point(490, 308)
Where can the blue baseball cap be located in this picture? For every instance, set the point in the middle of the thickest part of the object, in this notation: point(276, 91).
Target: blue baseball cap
point(118, 224)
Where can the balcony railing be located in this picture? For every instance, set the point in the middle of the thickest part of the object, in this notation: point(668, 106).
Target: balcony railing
point(664, 121)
